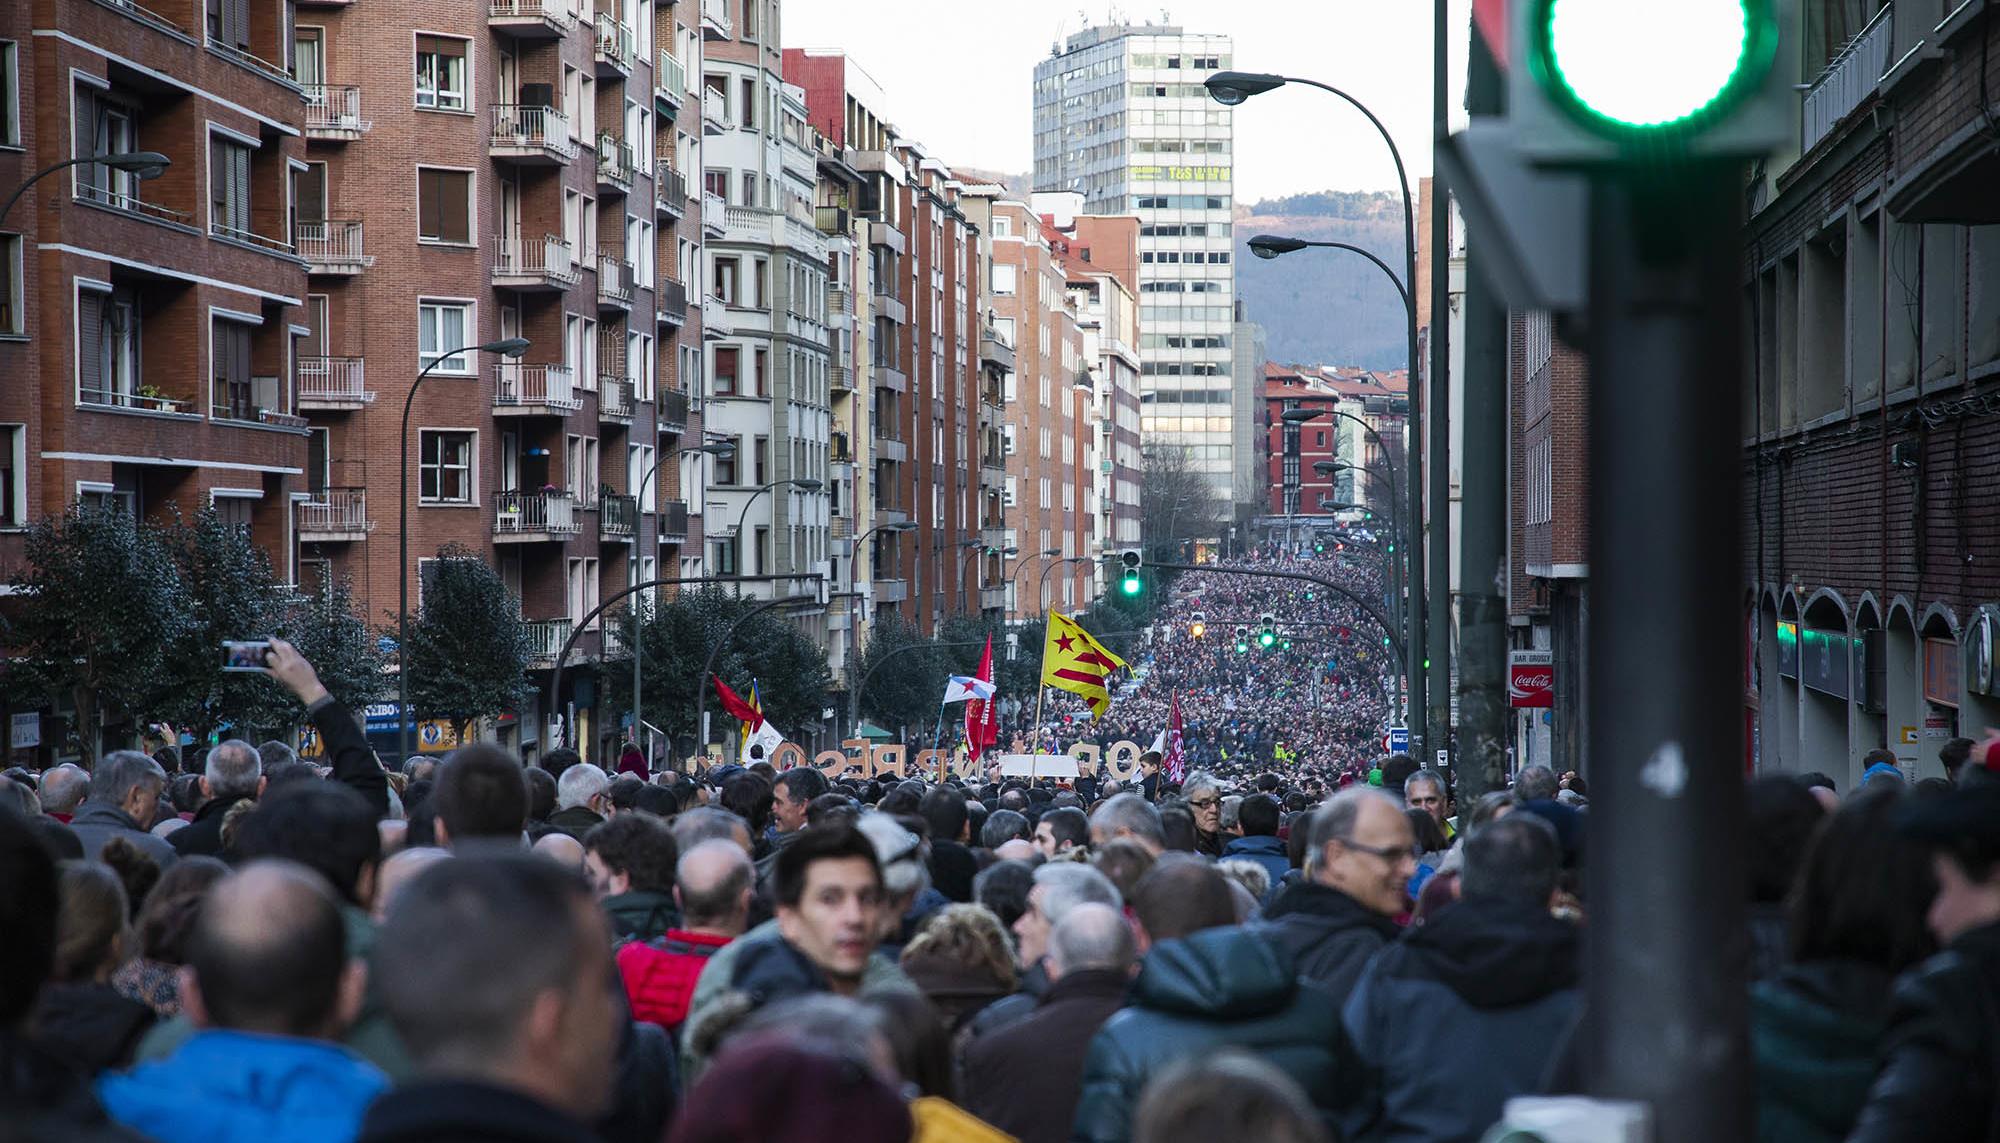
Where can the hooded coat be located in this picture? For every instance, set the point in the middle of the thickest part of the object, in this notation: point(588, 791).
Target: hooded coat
point(1329, 935)
point(238, 1087)
point(1457, 1017)
point(1218, 988)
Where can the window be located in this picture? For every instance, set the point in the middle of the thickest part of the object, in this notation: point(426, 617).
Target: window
point(10, 94)
point(228, 186)
point(1005, 279)
point(761, 466)
point(13, 293)
point(582, 588)
point(228, 22)
point(727, 360)
point(583, 470)
point(444, 466)
point(13, 476)
point(444, 205)
point(748, 119)
point(639, 474)
point(107, 352)
point(104, 125)
point(441, 328)
point(722, 557)
point(725, 465)
point(234, 511)
point(726, 270)
point(229, 372)
point(440, 72)
point(1003, 226)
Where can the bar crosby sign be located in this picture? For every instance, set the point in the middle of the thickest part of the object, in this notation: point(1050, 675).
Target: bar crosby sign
point(1531, 679)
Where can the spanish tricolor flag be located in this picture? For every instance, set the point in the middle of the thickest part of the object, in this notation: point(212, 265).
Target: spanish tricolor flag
point(1073, 661)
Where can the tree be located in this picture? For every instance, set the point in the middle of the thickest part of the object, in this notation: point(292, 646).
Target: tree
point(102, 601)
point(675, 638)
point(232, 594)
point(336, 640)
point(1177, 502)
point(906, 690)
point(468, 652)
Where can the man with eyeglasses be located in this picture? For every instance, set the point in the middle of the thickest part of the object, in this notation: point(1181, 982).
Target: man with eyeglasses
point(1360, 856)
point(1204, 799)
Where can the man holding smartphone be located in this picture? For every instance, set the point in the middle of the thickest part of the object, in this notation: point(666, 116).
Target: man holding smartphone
point(345, 744)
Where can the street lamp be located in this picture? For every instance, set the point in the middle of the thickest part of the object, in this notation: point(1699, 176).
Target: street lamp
point(1042, 588)
point(711, 448)
point(804, 484)
point(139, 164)
point(1025, 564)
point(511, 347)
point(1269, 246)
point(1233, 87)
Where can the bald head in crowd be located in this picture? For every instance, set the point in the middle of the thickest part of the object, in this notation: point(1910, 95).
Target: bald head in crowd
point(63, 789)
point(268, 954)
point(712, 885)
point(1091, 937)
point(562, 849)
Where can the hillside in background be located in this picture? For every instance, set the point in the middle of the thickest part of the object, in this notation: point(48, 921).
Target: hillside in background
point(1325, 306)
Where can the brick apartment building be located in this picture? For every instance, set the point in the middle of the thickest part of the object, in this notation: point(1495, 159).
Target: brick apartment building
point(1335, 458)
point(1871, 539)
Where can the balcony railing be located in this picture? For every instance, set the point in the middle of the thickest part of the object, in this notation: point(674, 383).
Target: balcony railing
point(522, 131)
point(673, 411)
point(251, 238)
point(132, 204)
point(257, 401)
point(715, 318)
point(714, 111)
point(617, 44)
point(615, 161)
point(333, 383)
point(715, 22)
point(841, 378)
point(530, 19)
point(670, 79)
point(1848, 80)
point(831, 219)
point(671, 298)
point(335, 513)
point(118, 399)
point(334, 113)
point(670, 190)
point(617, 515)
point(614, 279)
point(543, 261)
point(714, 214)
point(531, 388)
point(332, 246)
point(546, 638)
point(614, 400)
point(673, 522)
point(535, 514)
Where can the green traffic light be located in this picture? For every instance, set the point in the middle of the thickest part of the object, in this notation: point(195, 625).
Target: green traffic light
point(1242, 647)
point(1265, 639)
point(1625, 76)
point(1130, 585)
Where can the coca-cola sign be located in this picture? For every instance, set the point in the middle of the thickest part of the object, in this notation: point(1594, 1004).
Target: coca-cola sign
point(1531, 679)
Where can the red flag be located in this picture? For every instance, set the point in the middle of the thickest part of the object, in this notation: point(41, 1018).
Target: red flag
point(982, 716)
point(734, 704)
point(1175, 762)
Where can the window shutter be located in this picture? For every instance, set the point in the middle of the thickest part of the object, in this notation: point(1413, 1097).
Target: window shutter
point(312, 192)
point(218, 182)
point(90, 340)
point(450, 49)
point(85, 136)
point(455, 212)
point(429, 203)
point(239, 20)
point(239, 186)
point(212, 12)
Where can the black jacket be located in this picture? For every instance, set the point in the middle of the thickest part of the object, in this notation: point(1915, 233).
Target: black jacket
point(1218, 988)
point(1940, 1065)
point(952, 870)
point(1457, 1017)
point(1329, 935)
point(1814, 1032)
point(43, 1100)
point(458, 1111)
point(89, 1027)
point(576, 821)
point(203, 836)
point(344, 746)
point(1025, 1079)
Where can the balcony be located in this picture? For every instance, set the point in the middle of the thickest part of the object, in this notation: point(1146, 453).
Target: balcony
point(888, 305)
point(534, 263)
point(132, 204)
point(674, 522)
point(673, 411)
point(670, 191)
point(671, 299)
point(333, 384)
point(841, 378)
point(535, 136)
point(527, 390)
point(715, 318)
point(832, 219)
point(670, 82)
point(335, 516)
point(714, 112)
point(617, 49)
point(889, 377)
point(614, 281)
point(993, 598)
point(545, 640)
point(890, 590)
point(332, 246)
point(616, 164)
point(715, 22)
point(883, 234)
point(333, 114)
point(247, 237)
point(996, 353)
point(531, 516)
point(529, 19)
point(888, 448)
point(614, 400)
point(714, 214)
point(1847, 81)
point(617, 516)
point(257, 401)
point(145, 402)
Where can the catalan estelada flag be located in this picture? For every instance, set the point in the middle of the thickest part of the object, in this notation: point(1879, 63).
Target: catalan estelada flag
point(1073, 661)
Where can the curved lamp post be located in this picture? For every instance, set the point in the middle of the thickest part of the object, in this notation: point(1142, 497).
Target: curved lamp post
point(1025, 564)
point(1042, 588)
point(711, 448)
point(804, 484)
point(511, 347)
point(142, 164)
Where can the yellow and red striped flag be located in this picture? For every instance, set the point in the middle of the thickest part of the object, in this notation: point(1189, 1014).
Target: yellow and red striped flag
point(1073, 661)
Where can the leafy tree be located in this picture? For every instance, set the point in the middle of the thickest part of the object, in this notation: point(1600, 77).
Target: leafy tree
point(102, 602)
point(468, 652)
point(232, 594)
point(336, 640)
point(676, 637)
point(906, 690)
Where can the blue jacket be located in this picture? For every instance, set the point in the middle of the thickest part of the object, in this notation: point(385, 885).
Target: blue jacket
point(1266, 851)
point(242, 1087)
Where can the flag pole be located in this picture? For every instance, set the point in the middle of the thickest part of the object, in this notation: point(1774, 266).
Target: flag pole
point(1035, 766)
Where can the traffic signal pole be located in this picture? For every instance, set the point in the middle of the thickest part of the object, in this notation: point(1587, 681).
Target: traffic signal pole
point(1437, 632)
point(1666, 1018)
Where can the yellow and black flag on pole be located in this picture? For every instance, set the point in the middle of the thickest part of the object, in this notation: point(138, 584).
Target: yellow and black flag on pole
point(1073, 661)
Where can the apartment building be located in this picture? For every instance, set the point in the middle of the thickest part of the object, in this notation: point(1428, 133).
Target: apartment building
point(153, 317)
point(1121, 115)
point(1339, 456)
point(1046, 398)
point(485, 170)
point(769, 373)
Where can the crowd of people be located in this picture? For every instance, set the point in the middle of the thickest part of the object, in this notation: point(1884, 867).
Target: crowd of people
point(468, 948)
point(1319, 699)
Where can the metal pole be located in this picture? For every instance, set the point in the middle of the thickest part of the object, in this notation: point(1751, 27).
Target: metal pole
point(1666, 1009)
point(1482, 556)
point(403, 721)
point(708, 664)
point(1436, 648)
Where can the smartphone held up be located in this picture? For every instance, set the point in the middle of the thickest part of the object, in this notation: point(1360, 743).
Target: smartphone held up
point(251, 655)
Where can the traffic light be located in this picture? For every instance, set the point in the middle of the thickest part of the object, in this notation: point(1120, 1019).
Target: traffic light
point(1267, 630)
point(1242, 639)
point(1198, 626)
point(1129, 581)
point(1601, 86)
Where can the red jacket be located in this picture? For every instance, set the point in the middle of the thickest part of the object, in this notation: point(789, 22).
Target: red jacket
point(660, 974)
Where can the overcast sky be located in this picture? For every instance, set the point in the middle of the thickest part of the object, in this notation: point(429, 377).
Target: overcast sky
point(959, 75)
